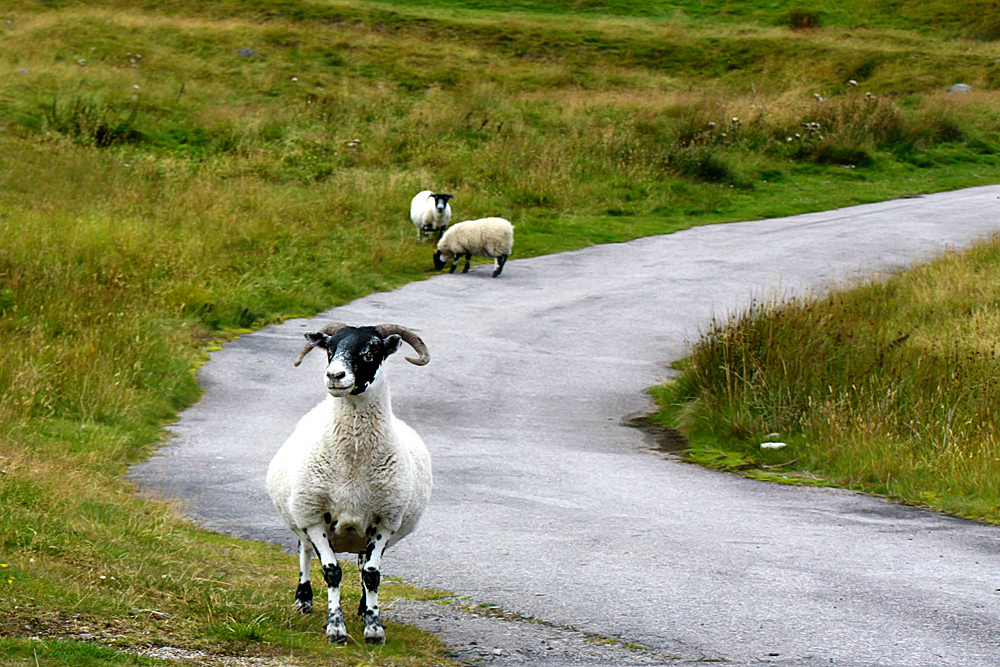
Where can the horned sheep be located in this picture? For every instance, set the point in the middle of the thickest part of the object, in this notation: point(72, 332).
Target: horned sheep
point(430, 212)
point(488, 237)
point(352, 477)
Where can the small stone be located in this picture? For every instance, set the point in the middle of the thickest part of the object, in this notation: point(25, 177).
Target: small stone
point(772, 445)
point(960, 88)
point(85, 636)
point(246, 53)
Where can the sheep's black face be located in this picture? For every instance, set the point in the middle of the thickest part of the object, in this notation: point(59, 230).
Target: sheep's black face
point(355, 356)
point(441, 201)
point(438, 260)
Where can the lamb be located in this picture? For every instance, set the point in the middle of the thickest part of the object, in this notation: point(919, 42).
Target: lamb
point(430, 212)
point(352, 477)
point(489, 237)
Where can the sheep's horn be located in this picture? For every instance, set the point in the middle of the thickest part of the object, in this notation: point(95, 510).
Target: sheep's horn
point(411, 338)
point(329, 330)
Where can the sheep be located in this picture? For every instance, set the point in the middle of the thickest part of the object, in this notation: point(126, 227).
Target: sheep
point(430, 212)
point(489, 237)
point(352, 477)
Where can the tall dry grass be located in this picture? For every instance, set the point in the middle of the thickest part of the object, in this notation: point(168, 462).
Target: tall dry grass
point(888, 387)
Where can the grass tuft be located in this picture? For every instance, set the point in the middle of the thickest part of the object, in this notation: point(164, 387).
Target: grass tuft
point(802, 20)
point(889, 388)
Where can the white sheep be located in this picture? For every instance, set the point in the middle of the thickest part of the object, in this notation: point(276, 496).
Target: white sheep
point(488, 237)
point(352, 477)
point(430, 212)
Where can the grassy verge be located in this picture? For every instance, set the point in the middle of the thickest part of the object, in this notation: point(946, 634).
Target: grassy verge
point(88, 568)
point(890, 388)
point(172, 172)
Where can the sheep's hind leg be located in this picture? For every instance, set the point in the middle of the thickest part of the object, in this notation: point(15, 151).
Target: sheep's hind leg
point(304, 593)
point(336, 630)
point(499, 262)
point(370, 579)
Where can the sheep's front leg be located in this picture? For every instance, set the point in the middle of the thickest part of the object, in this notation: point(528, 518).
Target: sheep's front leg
point(371, 576)
point(468, 260)
point(304, 593)
point(336, 631)
point(361, 603)
point(454, 263)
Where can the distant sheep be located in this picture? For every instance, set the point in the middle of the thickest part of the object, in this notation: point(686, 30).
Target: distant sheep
point(430, 212)
point(487, 237)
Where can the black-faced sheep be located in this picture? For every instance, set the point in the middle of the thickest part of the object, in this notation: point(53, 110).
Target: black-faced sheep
point(352, 477)
point(430, 212)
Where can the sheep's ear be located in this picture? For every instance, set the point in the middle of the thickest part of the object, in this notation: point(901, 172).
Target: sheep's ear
point(391, 343)
point(317, 338)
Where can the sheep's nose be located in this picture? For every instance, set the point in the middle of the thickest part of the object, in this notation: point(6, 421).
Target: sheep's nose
point(336, 375)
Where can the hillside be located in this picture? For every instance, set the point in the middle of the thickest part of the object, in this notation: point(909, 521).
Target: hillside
point(174, 172)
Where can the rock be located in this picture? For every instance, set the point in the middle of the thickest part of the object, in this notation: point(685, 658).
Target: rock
point(960, 88)
point(246, 53)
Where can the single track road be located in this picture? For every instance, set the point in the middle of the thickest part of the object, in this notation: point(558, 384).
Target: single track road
point(549, 505)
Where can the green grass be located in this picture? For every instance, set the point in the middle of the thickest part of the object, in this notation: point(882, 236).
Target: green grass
point(61, 652)
point(159, 192)
point(889, 388)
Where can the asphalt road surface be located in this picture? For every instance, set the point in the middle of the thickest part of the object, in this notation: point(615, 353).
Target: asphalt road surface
point(549, 505)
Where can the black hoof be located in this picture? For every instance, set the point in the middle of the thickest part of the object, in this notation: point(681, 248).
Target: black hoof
point(375, 634)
